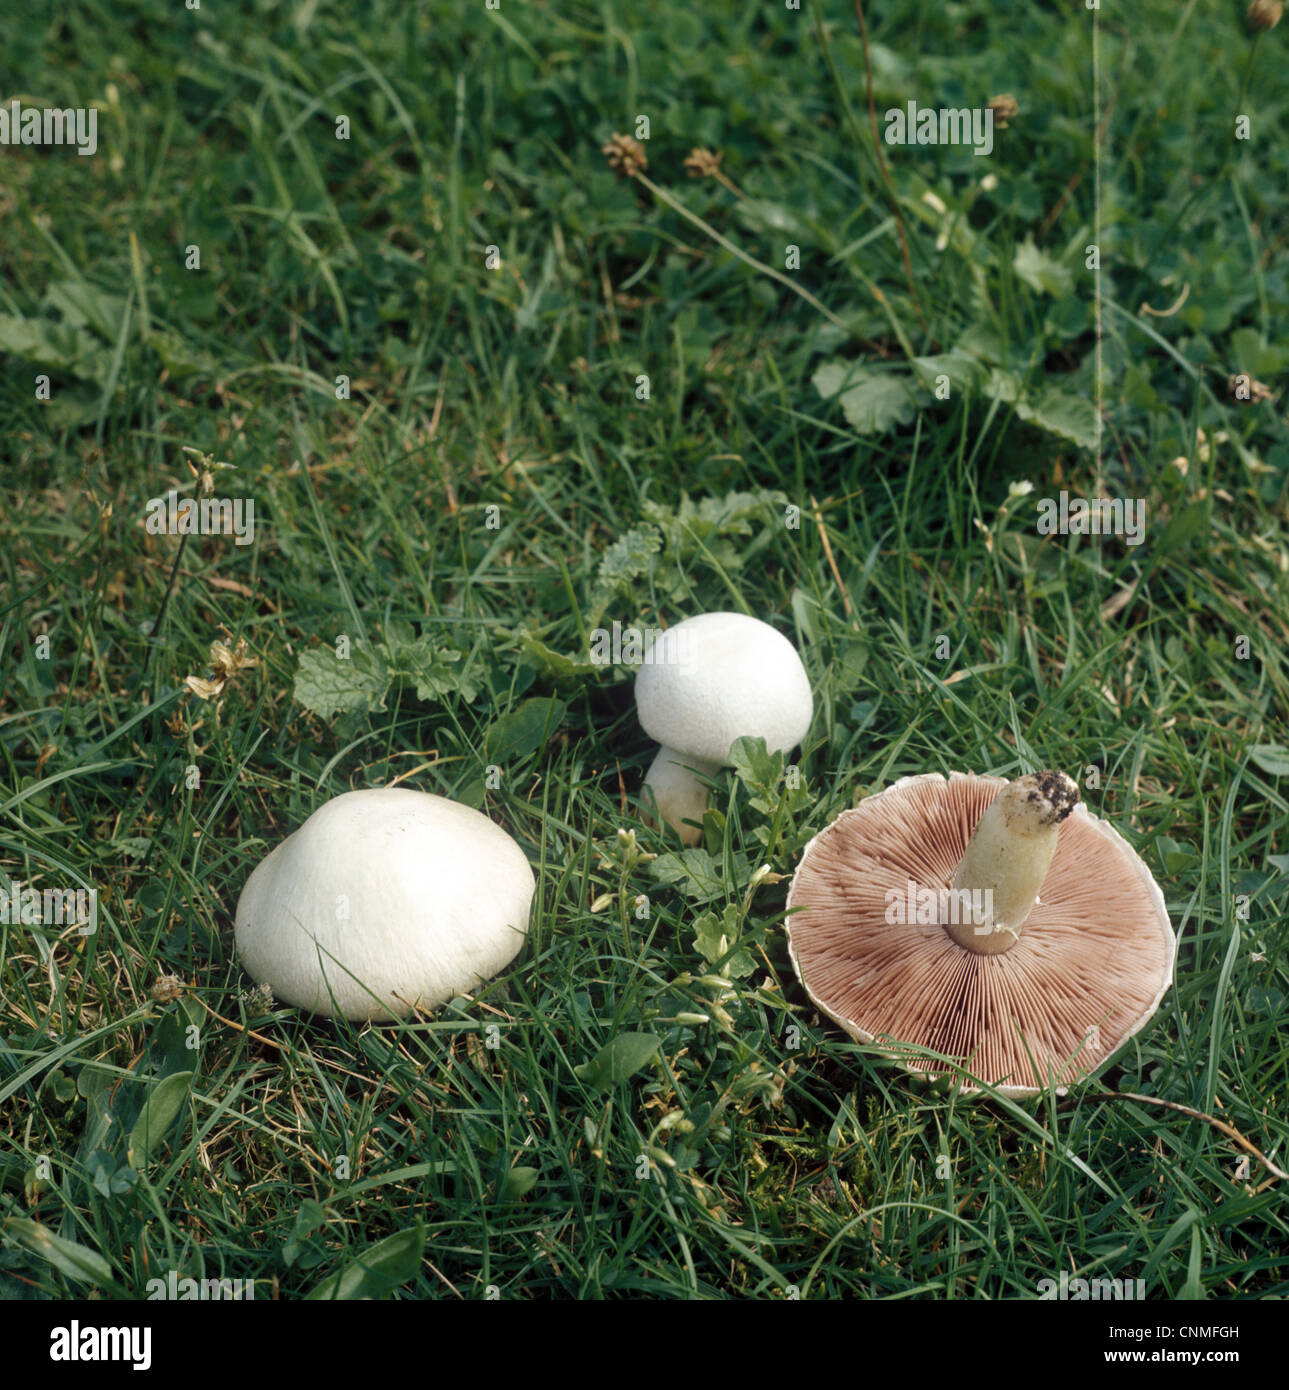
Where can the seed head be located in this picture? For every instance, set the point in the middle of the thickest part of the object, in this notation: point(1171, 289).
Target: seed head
point(1244, 388)
point(703, 164)
point(226, 665)
point(1005, 108)
point(626, 155)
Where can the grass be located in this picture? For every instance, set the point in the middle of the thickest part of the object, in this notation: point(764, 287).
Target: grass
point(496, 484)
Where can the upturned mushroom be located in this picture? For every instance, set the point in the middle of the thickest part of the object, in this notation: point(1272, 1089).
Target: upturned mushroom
point(707, 681)
point(384, 901)
point(999, 924)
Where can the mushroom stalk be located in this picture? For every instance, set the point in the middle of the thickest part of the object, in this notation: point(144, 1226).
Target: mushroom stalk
point(1007, 859)
point(677, 793)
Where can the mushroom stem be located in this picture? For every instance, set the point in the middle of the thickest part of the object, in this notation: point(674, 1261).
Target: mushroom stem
point(677, 793)
point(1007, 858)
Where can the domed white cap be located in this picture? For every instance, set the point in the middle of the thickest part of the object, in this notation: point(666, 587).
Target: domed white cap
point(721, 676)
point(382, 900)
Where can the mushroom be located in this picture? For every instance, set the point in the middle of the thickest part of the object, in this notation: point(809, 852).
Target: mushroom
point(916, 922)
point(383, 901)
point(707, 681)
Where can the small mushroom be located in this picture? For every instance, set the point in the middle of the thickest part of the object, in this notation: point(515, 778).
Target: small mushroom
point(707, 681)
point(382, 901)
point(996, 923)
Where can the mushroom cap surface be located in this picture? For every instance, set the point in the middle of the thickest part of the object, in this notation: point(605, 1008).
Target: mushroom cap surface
point(717, 677)
point(1092, 962)
point(381, 900)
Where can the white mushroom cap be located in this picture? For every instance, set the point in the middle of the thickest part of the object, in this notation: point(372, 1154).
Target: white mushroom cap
point(707, 681)
point(721, 676)
point(382, 900)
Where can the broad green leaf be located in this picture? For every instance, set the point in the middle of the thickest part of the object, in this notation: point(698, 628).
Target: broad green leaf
point(433, 670)
point(754, 764)
point(553, 663)
point(808, 615)
point(832, 377)
point(58, 345)
point(1175, 858)
point(523, 730)
point(62, 1086)
point(71, 1259)
point(80, 303)
point(196, 1016)
point(517, 1183)
point(108, 1177)
point(308, 1218)
point(399, 633)
point(965, 371)
point(163, 1106)
point(168, 1047)
point(179, 357)
point(1059, 413)
point(1051, 409)
point(771, 219)
point(618, 1060)
point(879, 404)
point(89, 1082)
point(694, 871)
point(1250, 355)
point(1272, 758)
point(1040, 272)
point(872, 402)
point(983, 341)
point(1183, 527)
point(622, 565)
point(326, 684)
point(472, 793)
point(378, 1270)
point(1138, 389)
point(692, 524)
point(716, 936)
point(628, 557)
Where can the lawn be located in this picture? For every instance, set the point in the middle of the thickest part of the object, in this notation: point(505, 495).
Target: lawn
point(490, 389)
